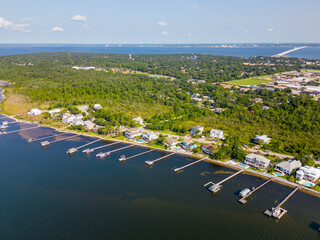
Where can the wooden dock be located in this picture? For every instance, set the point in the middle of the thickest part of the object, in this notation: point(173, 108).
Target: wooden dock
point(137, 155)
point(75, 149)
point(30, 140)
point(150, 163)
point(278, 212)
point(23, 129)
point(189, 165)
point(215, 187)
point(100, 147)
point(46, 143)
point(243, 200)
point(120, 149)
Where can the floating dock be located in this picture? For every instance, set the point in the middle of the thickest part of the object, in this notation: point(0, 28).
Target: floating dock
point(46, 143)
point(216, 187)
point(243, 200)
point(75, 149)
point(137, 155)
point(43, 138)
point(150, 163)
point(101, 155)
point(189, 165)
point(89, 150)
point(19, 130)
point(278, 212)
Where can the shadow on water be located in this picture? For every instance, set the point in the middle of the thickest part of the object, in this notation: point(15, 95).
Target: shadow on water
point(315, 226)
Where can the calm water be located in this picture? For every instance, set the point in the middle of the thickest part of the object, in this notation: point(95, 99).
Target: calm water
point(310, 53)
point(46, 194)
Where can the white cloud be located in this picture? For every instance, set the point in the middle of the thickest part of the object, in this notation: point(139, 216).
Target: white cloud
point(57, 29)
point(165, 33)
point(162, 24)
point(270, 29)
point(5, 24)
point(79, 18)
point(189, 35)
point(85, 26)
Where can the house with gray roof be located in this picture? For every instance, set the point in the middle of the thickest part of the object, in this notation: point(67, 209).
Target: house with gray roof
point(257, 161)
point(288, 166)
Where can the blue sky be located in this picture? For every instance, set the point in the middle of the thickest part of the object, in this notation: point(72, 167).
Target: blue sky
point(166, 21)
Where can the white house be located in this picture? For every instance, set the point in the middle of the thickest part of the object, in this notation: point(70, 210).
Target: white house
point(34, 111)
point(171, 142)
point(197, 128)
point(138, 120)
point(67, 118)
point(148, 136)
point(132, 133)
point(308, 173)
point(97, 106)
point(89, 125)
point(261, 138)
point(214, 133)
point(76, 122)
point(288, 166)
point(257, 161)
point(53, 111)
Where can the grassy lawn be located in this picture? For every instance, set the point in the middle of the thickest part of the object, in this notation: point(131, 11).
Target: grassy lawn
point(311, 70)
point(251, 81)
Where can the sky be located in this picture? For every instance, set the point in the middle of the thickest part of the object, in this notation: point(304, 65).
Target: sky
point(163, 21)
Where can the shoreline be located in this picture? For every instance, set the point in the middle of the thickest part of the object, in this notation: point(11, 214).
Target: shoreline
point(208, 159)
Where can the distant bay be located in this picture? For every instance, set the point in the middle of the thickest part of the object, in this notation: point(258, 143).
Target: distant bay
point(13, 49)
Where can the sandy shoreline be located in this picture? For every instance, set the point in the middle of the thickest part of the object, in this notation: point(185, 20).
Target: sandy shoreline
point(247, 171)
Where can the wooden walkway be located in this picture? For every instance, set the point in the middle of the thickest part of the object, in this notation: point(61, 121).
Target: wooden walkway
point(43, 138)
point(73, 150)
point(228, 178)
point(243, 200)
point(150, 163)
point(120, 149)
point(189, 165)
point(137, 155)
point(46, 143)
point(23, 129)
point(104, 146)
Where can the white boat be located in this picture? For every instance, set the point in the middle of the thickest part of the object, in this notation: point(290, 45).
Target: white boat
point(102, 154)
point(29, 139)
point(276, 212)
point(122, 158)
point(88, 150)
point(3, 126)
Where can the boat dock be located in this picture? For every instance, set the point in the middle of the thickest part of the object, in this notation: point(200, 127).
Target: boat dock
point(188, 165)
point(278, 212)
point(116, 150)
point(46, 143)
point(73, 150)
point(43, 138)
point(243, 200)
point(18, 130)
point(216, 187)
point(89, 150)
point(150, 163)
point(137, 155)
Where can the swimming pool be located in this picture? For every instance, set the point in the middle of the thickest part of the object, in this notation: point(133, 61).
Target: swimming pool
point(177, 149)
point(139, 141)
point(307, 184)
point(277, 174)
point(243, 165)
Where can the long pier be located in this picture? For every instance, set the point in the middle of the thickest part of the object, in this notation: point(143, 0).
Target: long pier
point(120, 149)
point(215, 187)
point(189, 165)
point(243, 199)
point(43, 138)
point(289, 51)
point(278, 211)
point(100, 147)
point(3, 133)
point(150, 163)
point(134, 156)
point(73, 150)
point(46, 143)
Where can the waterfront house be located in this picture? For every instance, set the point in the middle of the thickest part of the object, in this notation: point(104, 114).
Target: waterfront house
point(188, 144)
point(257, 161)
point(262, 138)
point(214, 133)
point(67, 118)
point(76, 122)
point(288, 166)
point(89, 125)
point(34, 111)
point(308, 173)
point(148, 136)
point(207, 148)
point(196, 129)
point(132, 133)
point(171, 142)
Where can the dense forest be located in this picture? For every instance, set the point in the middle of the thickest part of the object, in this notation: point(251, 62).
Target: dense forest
point(292, 121)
